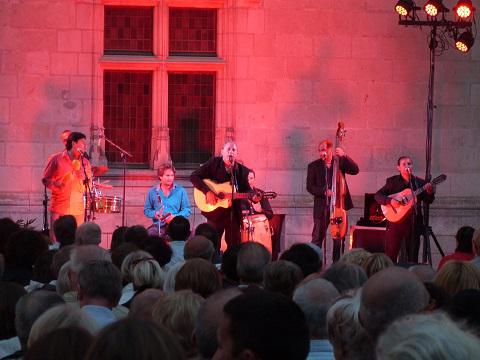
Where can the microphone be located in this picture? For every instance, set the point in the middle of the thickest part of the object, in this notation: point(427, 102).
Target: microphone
point(323, 155)
point(83, 153)
point(230, 158)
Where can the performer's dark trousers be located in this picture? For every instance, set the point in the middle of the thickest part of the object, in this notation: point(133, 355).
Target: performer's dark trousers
point(222, 219)
point(320, 226)
point(403, 231)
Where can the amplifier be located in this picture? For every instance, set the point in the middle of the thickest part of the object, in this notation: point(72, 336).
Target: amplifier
point(369, 238)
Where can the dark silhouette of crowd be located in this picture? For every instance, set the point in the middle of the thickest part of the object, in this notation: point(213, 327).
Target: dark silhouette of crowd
point(176, 297)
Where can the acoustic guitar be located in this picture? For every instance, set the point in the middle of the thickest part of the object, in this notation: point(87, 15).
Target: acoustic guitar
point(223, 191)
point(405, 197)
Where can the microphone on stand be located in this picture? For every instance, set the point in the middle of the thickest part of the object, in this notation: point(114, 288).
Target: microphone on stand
point(83, 153)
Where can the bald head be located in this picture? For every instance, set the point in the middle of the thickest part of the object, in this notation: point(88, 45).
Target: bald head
point(199, 247)
point(88, 233)
point(388, 295)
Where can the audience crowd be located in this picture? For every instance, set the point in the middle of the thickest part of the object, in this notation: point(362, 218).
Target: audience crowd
point(176, 297)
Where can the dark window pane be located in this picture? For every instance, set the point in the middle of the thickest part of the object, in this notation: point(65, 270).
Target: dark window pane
point(128, 30)
point(127, 115)
point(193, 32)
point(191, 116)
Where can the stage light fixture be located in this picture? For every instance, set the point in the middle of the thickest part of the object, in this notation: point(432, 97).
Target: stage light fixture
point(433, 7)
point(464, 9)
point(404, 7)
point(465, 41)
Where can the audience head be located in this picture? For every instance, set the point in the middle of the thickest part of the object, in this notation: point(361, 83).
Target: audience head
point(262, 325)
point(169, 282)
point(24, 247)
point(376, 262)
point(388, 295)
point(143, 303)
point(423, 271)
point(355, 256)
point(68, 343)
point(81, 256)
point(282, 277)
point(455, 276)
point(346, 334)
point(207, 230)
point(229, 264)
point(42, 269)
point(64, 285)
point(159, 248)
point(64, 229)
point(89, 233)
point(60, 258)
point(59, 317)
point(29, 308)
point(129, 263)
point(7, 228)
point(135, 339)
point(121, 252)
point(118, 237)
point(345, 276)
point(199, 247)
point(208, 319)
point(200, 276)
point(251, 261)
point(136, 234)
point(177, 312)
point(10, 293)
point(178, 229)
point(305, 257)
point(314, 298)
point(147, 273)
point(427, 337)
point(464, 239)
point(99, 283)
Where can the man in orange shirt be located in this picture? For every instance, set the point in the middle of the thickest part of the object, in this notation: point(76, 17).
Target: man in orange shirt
point(65, 175)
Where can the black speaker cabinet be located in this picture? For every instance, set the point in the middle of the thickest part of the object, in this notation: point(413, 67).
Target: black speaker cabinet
point(371, 239)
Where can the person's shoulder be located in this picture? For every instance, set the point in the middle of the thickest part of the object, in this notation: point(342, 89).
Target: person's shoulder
point(315, 163)
point(178, 187)
point(393, 178)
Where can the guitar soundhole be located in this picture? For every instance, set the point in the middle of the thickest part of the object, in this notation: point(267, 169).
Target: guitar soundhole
point(221, 195)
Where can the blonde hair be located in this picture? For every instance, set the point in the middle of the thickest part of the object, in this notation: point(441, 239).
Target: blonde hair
point(375, 263)
point(128, 263)
point(147, 273)
point(177, 312)
point(455, 276)
point(355, 256)
point(63, 281)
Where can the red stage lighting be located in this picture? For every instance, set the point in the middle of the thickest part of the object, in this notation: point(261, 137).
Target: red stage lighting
point(465, 41)
point(433, 7)
point(404, 7)
point(464, 9)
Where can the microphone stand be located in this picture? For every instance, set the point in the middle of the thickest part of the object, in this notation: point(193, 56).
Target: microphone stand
point(123, 154)
point(45, 211)
point(234, 184)
point(415, 214)
point(88, 192)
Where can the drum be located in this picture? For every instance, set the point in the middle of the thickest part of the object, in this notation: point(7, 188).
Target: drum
point(257, 228)
point(108, 204)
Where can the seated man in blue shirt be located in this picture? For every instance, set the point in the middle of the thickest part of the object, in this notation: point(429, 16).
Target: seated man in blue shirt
point(165, 201)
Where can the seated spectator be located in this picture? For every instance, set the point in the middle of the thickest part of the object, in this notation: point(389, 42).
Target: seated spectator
point(177, 312)
point(28, 310)
point(427, 337)
point(455, 276)
point(89, 233)
point(464, 308)
point(171, 274)
point(376, 262)
point(142, 305)
point(345, 276)
point(135, 339)
point(208, 320)
point(120, 253)
point(252, 259)
point(118, 237)
point(126, 269)
point(348, 337)
point(10, 293)
point(282, 277)
point(59, 317)
point(315, 298)
point(21, 251)
point(229, 267)
point(200, 276)
point(355, 256)
point(99, 289)
point(424, 272)
point(476, 248)
point(305, 257)
point(199, 247)
point(147, 274)
point(64, 229)
point(207, 230)
point(159, 248)
point(43, 277)
point(137, 235)
point(68, 343)
point(63, 285)
point(262, 325)
point(464, 249)
point(7, 228)
point(178, 231)
point(389, 295)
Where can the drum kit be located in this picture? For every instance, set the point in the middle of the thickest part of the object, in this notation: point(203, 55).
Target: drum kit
point(257, 228)
point(103, 204)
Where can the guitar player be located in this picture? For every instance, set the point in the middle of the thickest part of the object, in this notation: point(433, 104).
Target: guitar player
point(410, 227)
point(223, 169)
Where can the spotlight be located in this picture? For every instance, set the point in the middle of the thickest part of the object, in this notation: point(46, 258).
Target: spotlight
point(404, 7)
point(433, 7)
point(464, 9)
point(464, 42)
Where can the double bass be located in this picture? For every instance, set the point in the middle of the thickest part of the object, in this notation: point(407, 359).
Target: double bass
point(338, 214)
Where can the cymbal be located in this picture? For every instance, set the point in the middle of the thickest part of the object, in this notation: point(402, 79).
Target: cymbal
point(99, 170)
